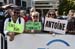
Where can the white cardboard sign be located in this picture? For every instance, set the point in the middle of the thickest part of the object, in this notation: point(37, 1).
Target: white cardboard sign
point(55, 25)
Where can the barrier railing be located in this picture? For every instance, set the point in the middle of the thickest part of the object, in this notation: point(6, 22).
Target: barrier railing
point(26, 40)
point(3, 41)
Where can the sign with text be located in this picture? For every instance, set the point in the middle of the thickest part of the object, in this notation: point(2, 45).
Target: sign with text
point(33, 26)
point(10, 26)
point(42, 41)
point(18, 28)
point(13, 27)
point(55, 25)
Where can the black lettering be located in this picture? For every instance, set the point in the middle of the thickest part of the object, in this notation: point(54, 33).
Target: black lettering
point(55, 25)
point(52, 24)
point(63, 26)
point(60, 26)
point(48, 24)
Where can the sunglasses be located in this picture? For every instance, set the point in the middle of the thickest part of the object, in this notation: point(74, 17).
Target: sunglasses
point(51, 14)
point(17, 12)
point(35, 16)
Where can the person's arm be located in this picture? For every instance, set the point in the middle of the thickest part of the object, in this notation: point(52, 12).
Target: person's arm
point(5, 25)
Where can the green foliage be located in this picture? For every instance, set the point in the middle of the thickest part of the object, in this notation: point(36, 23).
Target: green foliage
point(65, 6)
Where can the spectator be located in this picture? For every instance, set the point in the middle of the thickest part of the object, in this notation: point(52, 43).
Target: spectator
point(70, 14)
point(8, 12)
point(71, 22)
point(25, 16)
point(5, 14)
point(57, 13)
point(15, 18)
point(35, 18)
point(51, 14)
point(74, 14)
point(32, 10)
point(1, 20)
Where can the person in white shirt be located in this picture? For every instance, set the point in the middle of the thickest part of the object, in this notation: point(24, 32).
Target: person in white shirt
point(15, 18)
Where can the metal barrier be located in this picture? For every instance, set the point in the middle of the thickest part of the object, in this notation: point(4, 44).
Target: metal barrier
point(3, 42)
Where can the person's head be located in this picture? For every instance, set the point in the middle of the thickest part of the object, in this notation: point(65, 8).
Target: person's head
point(35, 16)
point(27, 14)
point(22, 13)
point(10, 10)
point(71, 13)
point(51, 14)
point(74, 14)
point(57, 13)
point(16, 12)
point(32, 10)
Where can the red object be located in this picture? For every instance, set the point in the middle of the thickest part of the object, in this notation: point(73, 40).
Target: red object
point(26, 18)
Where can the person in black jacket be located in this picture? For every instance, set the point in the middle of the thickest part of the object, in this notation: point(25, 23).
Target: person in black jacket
point(71, 22)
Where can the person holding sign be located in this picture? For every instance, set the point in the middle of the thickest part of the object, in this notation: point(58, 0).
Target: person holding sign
point(14, 24)
point(51, 14)
point(34, 25)
point(37, 24)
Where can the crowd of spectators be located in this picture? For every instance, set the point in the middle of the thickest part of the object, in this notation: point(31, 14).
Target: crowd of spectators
point(17, 15)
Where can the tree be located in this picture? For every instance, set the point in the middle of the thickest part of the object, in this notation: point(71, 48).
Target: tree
point(65, 6)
